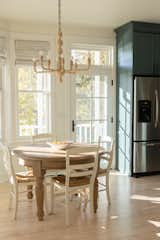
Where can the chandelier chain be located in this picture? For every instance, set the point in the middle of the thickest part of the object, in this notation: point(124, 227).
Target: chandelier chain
point(59, 15)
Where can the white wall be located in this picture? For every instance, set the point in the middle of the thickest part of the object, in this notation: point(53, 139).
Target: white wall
point(62, 91)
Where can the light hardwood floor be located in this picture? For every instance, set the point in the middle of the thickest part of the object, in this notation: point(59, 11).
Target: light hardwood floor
point(133, 215)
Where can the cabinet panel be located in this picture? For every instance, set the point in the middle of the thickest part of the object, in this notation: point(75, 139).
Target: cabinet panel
point(157, 54)
point(143, 59)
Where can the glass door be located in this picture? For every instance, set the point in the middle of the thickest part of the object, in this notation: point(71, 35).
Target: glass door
point(92, 102)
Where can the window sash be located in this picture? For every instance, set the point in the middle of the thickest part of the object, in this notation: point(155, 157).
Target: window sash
point(45, 97)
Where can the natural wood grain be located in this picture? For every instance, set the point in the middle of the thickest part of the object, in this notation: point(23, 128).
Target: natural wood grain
point(133, 215)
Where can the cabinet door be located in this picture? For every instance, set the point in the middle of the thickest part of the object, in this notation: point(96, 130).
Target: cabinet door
point(143, 54)
point(157, 54)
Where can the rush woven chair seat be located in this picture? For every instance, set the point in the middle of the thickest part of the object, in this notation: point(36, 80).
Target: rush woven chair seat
point(26, 177)
point(74, 181)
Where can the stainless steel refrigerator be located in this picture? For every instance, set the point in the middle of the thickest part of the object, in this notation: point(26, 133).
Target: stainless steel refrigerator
point(146, 125)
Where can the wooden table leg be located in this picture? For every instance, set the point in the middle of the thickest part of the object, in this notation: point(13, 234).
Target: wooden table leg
point(30, 191)
point(39, 175)
point(95, 197)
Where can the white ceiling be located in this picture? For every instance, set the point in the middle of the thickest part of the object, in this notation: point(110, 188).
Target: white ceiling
point(102, 13)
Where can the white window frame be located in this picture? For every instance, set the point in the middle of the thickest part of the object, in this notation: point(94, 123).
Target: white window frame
point(2, 101)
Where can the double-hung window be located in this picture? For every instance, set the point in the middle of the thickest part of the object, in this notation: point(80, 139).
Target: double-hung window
point(33, 90)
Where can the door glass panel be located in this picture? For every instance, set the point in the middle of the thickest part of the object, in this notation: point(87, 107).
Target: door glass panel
point(99, 128)
point(99, 108)
point(99, 86)
point(83, 86)
point(83, 109)
point(83, 131)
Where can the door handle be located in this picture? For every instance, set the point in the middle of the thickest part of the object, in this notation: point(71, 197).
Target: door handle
point(157, 109)
point(73, 126)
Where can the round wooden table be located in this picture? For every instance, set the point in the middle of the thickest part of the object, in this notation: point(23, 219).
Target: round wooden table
point(41, 159)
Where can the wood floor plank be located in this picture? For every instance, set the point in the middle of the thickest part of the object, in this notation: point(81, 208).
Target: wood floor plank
point(134, 215)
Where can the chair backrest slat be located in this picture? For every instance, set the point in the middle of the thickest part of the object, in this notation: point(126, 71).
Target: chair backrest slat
point(81, 174)
point(81, 166)
point(86, 169)
point(41, 138)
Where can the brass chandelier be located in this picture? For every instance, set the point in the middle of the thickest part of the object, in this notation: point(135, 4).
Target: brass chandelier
point(43, 64)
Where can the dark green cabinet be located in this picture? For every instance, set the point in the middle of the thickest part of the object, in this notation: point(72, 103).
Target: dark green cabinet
point(137, 53)
point(143, 53)
point(157, 54)
point(146, 51)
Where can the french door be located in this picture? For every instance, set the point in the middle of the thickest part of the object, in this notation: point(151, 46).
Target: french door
point(92, 106)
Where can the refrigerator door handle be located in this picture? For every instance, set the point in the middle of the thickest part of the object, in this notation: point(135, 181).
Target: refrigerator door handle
point(157, 109)
point(151, 144)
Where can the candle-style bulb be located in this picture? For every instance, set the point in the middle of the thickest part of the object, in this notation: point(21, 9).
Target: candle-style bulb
point(41, 53)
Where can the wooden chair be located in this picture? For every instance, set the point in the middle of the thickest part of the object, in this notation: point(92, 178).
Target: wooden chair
point(105, 162)
point(43, 138)
point(16, 180)
point(78, 176)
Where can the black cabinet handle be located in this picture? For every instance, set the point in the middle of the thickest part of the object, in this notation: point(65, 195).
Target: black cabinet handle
point(73, 126)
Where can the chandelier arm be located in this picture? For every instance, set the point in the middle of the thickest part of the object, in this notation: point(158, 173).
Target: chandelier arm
point(77, 70)
point(44, 69)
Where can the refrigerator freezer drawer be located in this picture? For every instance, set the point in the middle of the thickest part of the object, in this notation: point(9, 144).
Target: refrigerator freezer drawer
point(146, 157)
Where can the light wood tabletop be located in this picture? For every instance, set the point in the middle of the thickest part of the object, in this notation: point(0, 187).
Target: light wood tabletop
point(42, 158)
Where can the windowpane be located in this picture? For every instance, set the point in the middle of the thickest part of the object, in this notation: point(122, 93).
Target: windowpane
point(32, 114)
point(99, 128)
point(99, 86)
point(83, 86)
point(98, 57)
point(99, 109)
point(29, 80)
point(33, 101)
point(83, 109)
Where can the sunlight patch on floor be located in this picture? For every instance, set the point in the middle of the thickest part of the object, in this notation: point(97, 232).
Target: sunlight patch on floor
point(156, 202)
point(155, 223)
point(145, 198)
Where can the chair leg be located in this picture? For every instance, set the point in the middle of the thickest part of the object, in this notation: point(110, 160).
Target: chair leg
point(45, 198)
point(67, 221)
point(91, 201)
point(10, 200)
point(52, 192)
point(86, 199)
point(107, 189)
point(16, 204)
